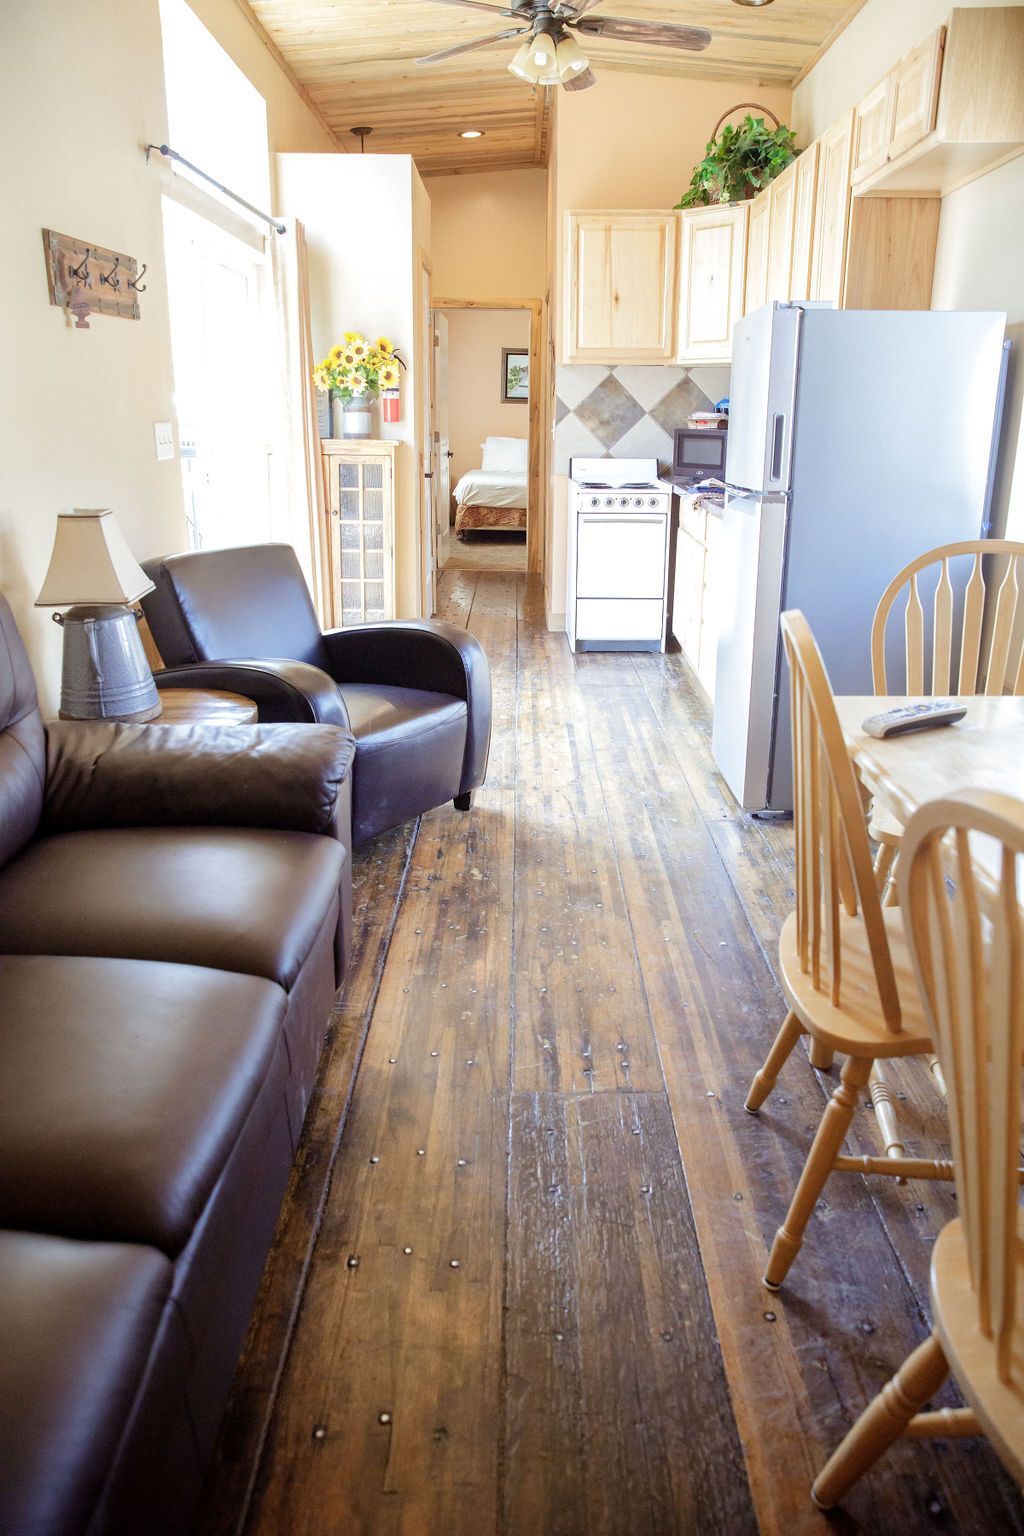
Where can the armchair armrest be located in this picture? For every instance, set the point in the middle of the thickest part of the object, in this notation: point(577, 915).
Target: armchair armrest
point(283, 691)
point(287, 777)
point(428, 654)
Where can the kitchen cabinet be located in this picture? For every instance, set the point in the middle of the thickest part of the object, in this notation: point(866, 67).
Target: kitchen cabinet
point(712, 261)
point(803, 222)
point(914, 95)
point(832, 211)
point(758, 237)
point(781, 225)
point(359, 485)
point(956, 105)
point(697, 593)
point(871, 131)
point(620, 287)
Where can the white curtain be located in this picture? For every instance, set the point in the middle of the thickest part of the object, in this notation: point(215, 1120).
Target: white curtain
point(303, 479)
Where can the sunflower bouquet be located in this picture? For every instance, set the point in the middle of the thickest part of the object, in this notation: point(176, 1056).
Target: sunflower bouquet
point(358, 369)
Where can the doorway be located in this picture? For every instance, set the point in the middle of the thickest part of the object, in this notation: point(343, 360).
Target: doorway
point(486, 385)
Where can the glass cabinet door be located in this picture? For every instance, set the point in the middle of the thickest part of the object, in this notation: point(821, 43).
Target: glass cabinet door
point(362, 515)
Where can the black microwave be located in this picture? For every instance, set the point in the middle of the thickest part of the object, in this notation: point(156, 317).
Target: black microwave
point(699, 454)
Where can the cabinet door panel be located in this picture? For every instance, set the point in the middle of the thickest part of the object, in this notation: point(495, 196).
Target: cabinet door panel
point(803, 222)
point(915, 95)
point(621, 286)
point(758, 236)
point(711, 270)
point(871, 130)
point(780, 240)
point(832, 212)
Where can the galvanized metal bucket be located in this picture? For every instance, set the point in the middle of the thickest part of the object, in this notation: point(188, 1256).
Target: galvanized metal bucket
point(106, 675)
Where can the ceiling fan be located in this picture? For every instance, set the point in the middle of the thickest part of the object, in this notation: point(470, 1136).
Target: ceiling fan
point(549, 53)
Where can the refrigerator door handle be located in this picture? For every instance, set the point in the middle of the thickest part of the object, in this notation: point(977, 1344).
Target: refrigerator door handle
point(778, 436)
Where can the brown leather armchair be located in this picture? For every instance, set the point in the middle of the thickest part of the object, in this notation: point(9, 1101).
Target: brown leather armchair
point(174, 918)
point(416, 696)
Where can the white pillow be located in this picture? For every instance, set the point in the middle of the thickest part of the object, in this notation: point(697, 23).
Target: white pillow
point(506, 453)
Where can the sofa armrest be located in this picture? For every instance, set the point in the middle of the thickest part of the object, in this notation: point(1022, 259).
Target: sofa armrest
point(289, 777)
point(283, 691)
point(429, 654)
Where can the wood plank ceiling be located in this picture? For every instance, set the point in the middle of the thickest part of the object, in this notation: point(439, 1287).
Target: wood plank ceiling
point(355, 61)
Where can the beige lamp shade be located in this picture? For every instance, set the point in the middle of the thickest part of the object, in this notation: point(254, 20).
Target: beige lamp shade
point(91, 563)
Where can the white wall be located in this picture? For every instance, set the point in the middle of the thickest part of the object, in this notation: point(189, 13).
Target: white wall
point(358, 212)
point(488, 239)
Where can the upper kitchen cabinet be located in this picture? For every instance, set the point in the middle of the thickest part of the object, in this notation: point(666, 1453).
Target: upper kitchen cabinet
point(832, 211)
point(620, 287)
point(871, 131)
point(805, 198)
point(713, 243)
point(781, 226)
point(955, 106)
point(759, 228)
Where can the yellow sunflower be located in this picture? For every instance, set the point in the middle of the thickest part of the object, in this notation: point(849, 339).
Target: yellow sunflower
point(383, 345)
point(336, 354)
point(354, 381)
point(389, 377)
point(360, 349)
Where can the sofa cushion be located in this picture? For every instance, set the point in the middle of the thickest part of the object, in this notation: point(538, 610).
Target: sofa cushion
point(410, 745)
point(249, 901)
point(77, 1322)
point(22, 747)
point(124, 1086)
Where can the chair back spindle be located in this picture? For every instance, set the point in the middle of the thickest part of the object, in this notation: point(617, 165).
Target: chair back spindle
point(989, 659)
point(834, 874)
point(967, 941)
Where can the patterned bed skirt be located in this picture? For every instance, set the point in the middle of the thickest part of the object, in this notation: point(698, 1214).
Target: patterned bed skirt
point(467, 519)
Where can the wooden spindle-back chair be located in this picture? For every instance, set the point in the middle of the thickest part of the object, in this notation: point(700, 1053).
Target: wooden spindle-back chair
point(971, 651)
point(966, 934)
point(843, 959)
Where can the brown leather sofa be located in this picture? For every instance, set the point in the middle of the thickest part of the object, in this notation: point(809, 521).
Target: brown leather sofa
point(174, 911)
point(416, 696)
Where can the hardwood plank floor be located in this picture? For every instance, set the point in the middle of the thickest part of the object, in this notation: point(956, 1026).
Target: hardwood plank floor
point(517, 1285)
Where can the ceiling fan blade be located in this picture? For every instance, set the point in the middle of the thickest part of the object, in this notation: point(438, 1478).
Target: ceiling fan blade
point(478, 5)
point(663, 34)
point(581, 82)
point(479, 42)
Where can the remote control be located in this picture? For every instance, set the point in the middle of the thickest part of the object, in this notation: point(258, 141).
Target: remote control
point(914, 717)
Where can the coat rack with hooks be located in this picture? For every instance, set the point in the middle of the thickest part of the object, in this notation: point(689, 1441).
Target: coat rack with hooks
point(89, 279)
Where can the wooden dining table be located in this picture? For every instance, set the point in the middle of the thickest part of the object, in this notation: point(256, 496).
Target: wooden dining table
point(985, 750)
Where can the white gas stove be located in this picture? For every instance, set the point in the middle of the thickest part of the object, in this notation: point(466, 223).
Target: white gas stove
point(619, 525)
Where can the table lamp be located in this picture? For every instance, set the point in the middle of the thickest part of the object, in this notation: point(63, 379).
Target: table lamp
point(93, 573)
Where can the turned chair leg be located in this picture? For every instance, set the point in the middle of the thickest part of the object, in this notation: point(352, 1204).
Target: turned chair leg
point(885, 1114)
point(463, 802)
point(831, 1134)
point(765, 1080)
point(821, 1056)
point(882, 1423)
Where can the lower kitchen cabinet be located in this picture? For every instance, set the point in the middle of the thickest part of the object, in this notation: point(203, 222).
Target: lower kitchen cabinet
point(696, 596)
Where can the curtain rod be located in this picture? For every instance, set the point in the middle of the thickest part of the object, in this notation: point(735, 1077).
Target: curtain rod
point(172, 154)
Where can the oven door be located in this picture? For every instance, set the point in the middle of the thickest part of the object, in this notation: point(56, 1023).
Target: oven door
point(621, 556)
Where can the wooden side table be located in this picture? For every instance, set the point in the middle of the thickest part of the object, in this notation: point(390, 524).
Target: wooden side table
point(205, 706)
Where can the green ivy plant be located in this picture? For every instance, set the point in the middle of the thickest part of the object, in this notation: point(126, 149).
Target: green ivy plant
point(739, 163)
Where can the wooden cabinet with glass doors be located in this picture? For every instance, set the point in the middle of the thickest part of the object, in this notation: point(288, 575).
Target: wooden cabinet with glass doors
point(359, 486)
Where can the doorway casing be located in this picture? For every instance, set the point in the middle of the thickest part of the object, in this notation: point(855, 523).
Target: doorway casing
point(539, 429)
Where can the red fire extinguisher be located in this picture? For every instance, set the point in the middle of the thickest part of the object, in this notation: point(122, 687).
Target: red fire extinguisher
point(391, 397)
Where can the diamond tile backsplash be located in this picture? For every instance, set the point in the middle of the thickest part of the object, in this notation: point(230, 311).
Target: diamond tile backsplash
point(630, 411)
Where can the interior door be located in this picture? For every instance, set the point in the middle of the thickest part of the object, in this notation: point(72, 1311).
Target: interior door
point(442, 438)
point(428, 515)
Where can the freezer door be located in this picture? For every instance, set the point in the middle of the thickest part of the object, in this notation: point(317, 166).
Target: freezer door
point(753, 548)
point(761, 391)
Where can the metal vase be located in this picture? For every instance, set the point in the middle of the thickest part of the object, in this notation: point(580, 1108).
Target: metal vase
point(106, 675)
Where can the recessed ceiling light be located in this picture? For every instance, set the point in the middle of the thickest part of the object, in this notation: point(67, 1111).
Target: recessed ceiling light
point(471, 133)
point(753, 2)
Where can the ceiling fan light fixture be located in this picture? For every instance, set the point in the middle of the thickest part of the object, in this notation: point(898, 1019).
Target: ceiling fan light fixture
point(571, 58)
point(543, 56)
point(521, 64)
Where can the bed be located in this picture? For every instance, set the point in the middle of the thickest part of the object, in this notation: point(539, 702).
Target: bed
point(495, 495)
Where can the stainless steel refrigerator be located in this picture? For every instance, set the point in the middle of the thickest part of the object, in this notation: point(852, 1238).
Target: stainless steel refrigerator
point(857, 440)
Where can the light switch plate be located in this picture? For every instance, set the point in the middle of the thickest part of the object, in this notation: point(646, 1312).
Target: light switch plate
point(163, 436)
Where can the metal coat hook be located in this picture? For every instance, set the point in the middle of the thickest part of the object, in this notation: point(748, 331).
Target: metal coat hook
point(136, 283)
point(81, 273)
point(111, 278)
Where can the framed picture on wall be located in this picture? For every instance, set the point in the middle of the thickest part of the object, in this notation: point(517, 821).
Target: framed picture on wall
point(515, 374)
